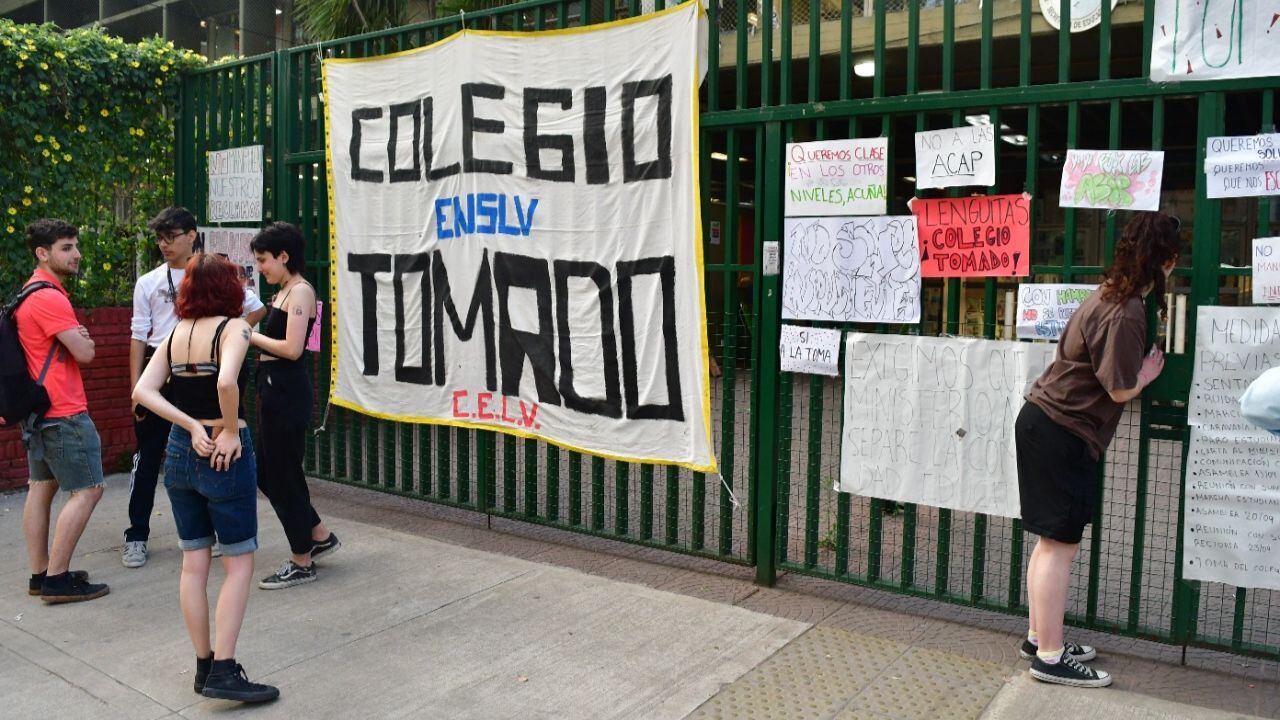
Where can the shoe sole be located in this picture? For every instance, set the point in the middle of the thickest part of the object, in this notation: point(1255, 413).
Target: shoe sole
point(35, 592)
point(1054, 679)
point(1079, 658)
point(59, 599)
point(242, 697)
point(286, 584)
point(133, 563)
point(327, 551)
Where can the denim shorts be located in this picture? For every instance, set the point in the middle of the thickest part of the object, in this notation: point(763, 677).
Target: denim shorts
point(208, 502)
point(67, 450)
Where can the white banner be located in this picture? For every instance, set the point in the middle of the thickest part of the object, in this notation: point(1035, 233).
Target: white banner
point(1242, 166)
point(956, 157)
point(930, 420)
point(1231, 531)
point(809, 350)
point(851, 269)
point(232, 244)
point(235, 185)
point(1202, 40)
point(1044, 309)
point(517, 236)
point(837, 177)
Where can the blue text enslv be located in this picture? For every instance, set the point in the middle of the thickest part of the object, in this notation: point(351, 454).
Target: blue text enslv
point(483, 214)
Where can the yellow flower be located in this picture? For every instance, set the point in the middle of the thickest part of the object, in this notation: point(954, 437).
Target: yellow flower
point(133, 63)
point(44, 66)
point(81, 128)
point(44, 88)
point(13, 211)
point(159, 82)
point(19, 64)
point(22, 56)
point(106, 266)
point(66, 156)
point(43, 199)
point(55, 144)
point(26, 202)
point(26, 188)
point(8, 228)
point(113, 56)
point(141, 132)
point(104, 112)
point(60, 55)
point(39, 138)
point(45, 152)
point(164, 68)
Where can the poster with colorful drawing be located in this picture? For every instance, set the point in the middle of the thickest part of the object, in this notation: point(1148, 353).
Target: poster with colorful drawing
point(1204, 40)
point(851, 269)
point(1112, 179)
point(979, 236)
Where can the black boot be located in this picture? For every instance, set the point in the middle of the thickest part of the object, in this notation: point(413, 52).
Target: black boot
point(202, 672)
point(228, 681)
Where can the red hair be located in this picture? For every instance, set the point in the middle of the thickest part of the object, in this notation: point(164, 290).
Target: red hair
point(210, 288)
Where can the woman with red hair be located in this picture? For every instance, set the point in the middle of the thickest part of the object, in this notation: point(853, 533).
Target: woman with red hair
point(209, 470)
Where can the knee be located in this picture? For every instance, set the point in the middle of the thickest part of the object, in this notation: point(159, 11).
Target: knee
point(89, 495)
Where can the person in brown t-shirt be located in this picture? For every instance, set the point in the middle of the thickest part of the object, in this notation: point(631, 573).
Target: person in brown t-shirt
point(1068, 420)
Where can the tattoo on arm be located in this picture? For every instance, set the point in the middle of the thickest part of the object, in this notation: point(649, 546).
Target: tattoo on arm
point(245, 333)
point(297, 309)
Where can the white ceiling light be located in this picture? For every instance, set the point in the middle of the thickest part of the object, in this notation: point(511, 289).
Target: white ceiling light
point(865, 69)
point(978, 120)
point(1015, 139)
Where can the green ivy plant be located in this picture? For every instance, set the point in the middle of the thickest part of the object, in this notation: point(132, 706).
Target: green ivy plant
point(86, 121)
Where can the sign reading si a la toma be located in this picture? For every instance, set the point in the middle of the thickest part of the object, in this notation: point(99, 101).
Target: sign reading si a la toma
point(517, 241)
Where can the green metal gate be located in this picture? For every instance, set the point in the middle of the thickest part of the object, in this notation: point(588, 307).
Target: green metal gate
point(790, 70)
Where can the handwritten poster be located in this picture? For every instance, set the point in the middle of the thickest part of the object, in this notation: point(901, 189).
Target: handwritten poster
point(851, 270)
point(930, 420)
point(313, 338)
point(1112, 179)
point(956, 157)
point(837, 177)
point(809, 350)
point(1266, 271)
point(1231, 530)
point(232, 244)
point(1044, 309)
point(1242, 166)
point(980, 236)
point(1198, 40)
point(235, 185)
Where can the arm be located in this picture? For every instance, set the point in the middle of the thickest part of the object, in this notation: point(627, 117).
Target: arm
point(78, 343)
point(235, 343)
point(139, 331)
point(253, 309)
point(137, 351)
point(1152, 364)
point(147, 393)
point(302, 303)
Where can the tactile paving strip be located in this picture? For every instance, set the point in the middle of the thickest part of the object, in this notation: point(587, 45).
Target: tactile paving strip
point(828, 673)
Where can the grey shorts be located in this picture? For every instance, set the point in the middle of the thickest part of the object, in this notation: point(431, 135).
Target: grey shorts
point(66, 450)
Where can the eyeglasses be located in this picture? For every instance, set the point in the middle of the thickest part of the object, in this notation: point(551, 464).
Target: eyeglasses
point(168, 238)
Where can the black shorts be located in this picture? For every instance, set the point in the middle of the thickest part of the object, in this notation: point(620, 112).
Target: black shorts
point(1057, 477)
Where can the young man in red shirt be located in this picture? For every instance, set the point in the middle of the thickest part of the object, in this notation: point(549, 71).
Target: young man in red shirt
point(63, 449)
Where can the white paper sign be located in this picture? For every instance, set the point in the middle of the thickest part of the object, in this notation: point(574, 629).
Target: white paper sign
point(233, 244)
point(837, 177)
point(770, 265)
point(809, 350)
point(930, 420)
point(956, 157)
point(235, 185)
point(1112, 179)
point(1242, 166)
point(1266, 271)
point(852, 269)
point(551, 289)
point(1231, 532)
point(1044, 309)
point(1204, 40)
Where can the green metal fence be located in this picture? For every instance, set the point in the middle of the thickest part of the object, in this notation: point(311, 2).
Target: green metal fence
point(787, 71)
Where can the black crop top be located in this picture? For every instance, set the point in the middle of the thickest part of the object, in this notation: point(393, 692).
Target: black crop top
point(196, 392)
point(277, 322)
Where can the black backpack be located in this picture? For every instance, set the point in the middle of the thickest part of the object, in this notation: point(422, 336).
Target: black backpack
point(22, 399)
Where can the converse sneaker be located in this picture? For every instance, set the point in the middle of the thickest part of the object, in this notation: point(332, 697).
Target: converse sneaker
point(65, 588)
point(227, 681)
point(203, 665)
point(1082, 653)
point(325, 547)
point(288, 575)
point(37, 580)
point(134, 554)
point(1069, 671)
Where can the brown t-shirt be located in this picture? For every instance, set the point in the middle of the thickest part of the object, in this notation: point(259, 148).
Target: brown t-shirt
point(1101, 350)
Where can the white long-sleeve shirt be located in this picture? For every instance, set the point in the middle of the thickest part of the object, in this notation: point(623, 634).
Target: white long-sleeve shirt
point(153, 313)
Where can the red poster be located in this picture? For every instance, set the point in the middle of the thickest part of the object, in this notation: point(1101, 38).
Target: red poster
point(984, 236)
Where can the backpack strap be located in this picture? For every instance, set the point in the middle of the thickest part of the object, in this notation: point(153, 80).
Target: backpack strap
point(26, 292)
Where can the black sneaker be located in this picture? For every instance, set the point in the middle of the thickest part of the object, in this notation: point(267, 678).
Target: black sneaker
point(228, 681)
point(203, 665)
point(66, 588)
point(37, 581)
point(1082, 653)
point(326, 547)
point(288, 575)
point(1069, 671)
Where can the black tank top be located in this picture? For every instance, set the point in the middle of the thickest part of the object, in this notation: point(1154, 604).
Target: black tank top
point(277, 322)
point(196, 391)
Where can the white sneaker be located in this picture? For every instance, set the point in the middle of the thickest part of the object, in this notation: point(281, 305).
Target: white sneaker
point(134, 554)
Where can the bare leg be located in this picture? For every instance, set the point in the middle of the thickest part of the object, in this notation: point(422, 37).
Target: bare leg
point(1051, 579)
point(35, 522)
point(320, 533)
point(232, 600)
point(71, 522)
point(193, 589)
point(1032, 566)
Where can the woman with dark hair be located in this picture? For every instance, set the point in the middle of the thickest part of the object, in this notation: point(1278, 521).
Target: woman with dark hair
point(209, 470)
point(1069, 418)
point(284, 404)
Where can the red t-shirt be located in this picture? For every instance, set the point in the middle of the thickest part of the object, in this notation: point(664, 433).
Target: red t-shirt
point(41, 317)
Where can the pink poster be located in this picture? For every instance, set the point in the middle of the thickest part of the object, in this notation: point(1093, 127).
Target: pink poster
point(313, 340)
point(1112, 179)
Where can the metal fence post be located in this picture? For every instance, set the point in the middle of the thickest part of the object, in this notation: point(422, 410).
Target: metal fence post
point(765, 499)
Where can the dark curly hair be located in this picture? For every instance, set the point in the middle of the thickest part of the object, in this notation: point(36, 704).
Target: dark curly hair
point(1148, 242)
point(210, 288)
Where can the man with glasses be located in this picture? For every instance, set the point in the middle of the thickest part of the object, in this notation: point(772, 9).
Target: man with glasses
point(153, 319)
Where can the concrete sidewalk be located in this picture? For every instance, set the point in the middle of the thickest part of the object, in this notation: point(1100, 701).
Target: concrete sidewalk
point(426, 612)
